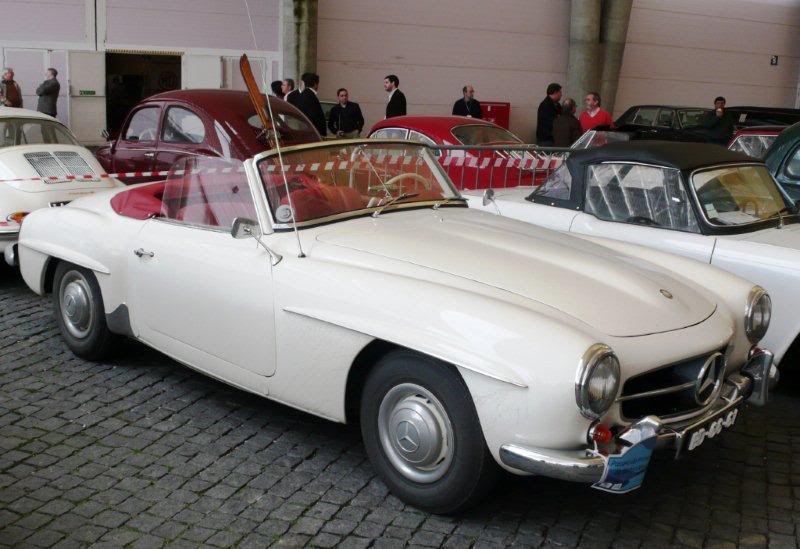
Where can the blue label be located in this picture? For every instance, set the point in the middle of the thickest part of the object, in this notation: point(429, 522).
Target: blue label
point(625, 472)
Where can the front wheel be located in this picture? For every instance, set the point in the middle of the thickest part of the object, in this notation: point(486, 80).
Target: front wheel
point(78, 306)
point(422, 434)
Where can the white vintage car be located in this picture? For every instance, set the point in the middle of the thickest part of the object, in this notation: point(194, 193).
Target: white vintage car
point(697, 200)
point(349, 279)
point(41, 165)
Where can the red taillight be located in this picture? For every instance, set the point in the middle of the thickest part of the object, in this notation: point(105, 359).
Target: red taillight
point(601, 434)
point(17, 217)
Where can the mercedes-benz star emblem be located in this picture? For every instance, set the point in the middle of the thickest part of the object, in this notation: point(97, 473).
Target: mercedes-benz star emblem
point(709, 379)
point(407, 436)
point(666, 294)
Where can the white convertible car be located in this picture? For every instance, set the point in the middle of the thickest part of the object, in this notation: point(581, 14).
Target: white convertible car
point(697, 200)
point(41, 165)
point(349, 279)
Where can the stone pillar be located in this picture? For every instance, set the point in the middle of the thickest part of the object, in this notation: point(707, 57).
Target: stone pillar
point(299, 42)
point(583, 69)
point(614, 31)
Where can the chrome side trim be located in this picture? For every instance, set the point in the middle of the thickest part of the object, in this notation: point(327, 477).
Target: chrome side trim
point(575, 466)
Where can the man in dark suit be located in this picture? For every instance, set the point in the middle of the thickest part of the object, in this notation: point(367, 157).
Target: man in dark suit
point(397, 101)
point(345, 119)
point(290, 94)
point(309, 104)
point(468, 105)
point(549, 109)
point(566, 128)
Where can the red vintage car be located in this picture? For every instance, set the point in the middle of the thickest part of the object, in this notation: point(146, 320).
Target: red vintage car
point(755, 140)
point(169, 126)
point(471, 168)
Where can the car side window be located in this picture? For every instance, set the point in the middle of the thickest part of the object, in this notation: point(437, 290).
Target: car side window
point(645, 116)
point(143, 125)
point(634, 193)
point(390, 133)
point(422, 138)
point(558, 184)
point(793, 165)
point(208, 193)
point(182, 126)
point(665, 118)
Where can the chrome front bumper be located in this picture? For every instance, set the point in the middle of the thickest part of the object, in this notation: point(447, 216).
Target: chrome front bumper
point(8, 245)
point(752, 385)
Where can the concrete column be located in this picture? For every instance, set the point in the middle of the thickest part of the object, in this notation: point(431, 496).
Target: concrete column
point(614, 31)
point(299, 42)
point(583, 69)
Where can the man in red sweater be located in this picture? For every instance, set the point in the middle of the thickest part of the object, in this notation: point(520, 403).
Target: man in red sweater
point(594, 115)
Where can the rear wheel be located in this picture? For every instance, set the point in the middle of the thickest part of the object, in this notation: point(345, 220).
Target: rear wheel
point(78, 306)
point(422, 434)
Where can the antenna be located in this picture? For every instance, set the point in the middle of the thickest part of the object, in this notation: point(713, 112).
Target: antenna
point(273, 140)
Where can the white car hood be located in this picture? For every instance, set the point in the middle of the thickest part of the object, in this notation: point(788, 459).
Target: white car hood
point(14, 165)
point(616, 294)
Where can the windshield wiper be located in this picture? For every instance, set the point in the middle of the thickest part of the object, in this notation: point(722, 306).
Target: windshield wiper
point(394, 200)
point(447, 201)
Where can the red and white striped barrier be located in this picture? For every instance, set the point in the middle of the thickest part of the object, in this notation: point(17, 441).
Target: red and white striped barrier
point(531, 163)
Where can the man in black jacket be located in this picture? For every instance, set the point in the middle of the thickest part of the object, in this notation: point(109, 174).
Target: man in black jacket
point(397, 101)
point(468, 105)
point(309, 104)
point(345, 119)
point(549, 108)
point(290, 95)
point(48, 93)
point(718, 123)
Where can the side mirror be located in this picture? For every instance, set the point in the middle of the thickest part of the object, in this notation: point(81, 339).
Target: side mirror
point(245, 228)
point(488, 196)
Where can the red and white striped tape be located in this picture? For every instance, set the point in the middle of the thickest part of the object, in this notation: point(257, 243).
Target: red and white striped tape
point(454, 161)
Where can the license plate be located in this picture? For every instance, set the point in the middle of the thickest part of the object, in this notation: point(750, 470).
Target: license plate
point(60, 203)
point(696, 436)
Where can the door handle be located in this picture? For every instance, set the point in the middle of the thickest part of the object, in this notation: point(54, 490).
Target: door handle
point(142, 253)
point(149, 154)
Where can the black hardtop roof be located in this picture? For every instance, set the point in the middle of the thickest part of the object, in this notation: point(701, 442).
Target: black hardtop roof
point(683, 156)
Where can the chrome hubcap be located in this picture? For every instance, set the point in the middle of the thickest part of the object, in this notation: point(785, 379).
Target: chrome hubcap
point(76, 304)
point(415, 433)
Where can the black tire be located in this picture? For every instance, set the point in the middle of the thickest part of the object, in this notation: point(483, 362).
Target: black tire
point(472, 471)
point(98, 342)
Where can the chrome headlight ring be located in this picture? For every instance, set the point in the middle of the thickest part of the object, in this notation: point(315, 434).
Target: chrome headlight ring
point(757, 314)
point(597, 381)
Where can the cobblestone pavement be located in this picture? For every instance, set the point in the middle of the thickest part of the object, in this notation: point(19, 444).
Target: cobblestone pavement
point(144, 452)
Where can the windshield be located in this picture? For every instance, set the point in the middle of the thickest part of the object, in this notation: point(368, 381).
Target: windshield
point(691, 117)
point(480, 134)
point(33, 131)
point(331, 180)
point(754, 145)
point(737, 195)
point(595, 138)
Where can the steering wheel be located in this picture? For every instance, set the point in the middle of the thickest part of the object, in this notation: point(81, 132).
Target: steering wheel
point(148, 135)
point(755, 208)
point(392, 182)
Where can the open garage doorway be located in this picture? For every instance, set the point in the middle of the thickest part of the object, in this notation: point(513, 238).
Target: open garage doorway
point(130, 77)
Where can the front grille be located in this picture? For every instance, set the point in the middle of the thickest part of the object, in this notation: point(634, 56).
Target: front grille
point(46, 165)
point(59, 165)
point(667, 392)
point(74, 163)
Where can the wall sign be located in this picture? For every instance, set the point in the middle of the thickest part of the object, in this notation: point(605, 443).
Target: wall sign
point(773, 60)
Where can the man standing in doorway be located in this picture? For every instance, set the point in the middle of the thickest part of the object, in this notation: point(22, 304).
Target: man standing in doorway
point(345, 120)
point(718, 123)
point(309, 102)
point(48, 93)
point(595, 116)
point(548, 110)
point(397, 101)
point(10, 92)
point(468, 105)
point(290, 94)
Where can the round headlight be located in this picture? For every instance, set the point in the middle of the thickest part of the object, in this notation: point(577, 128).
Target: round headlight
point(757, 314)
point(597, 382)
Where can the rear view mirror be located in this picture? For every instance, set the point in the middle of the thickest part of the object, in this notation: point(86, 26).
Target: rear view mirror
point(245, 228)
point(488, 196)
